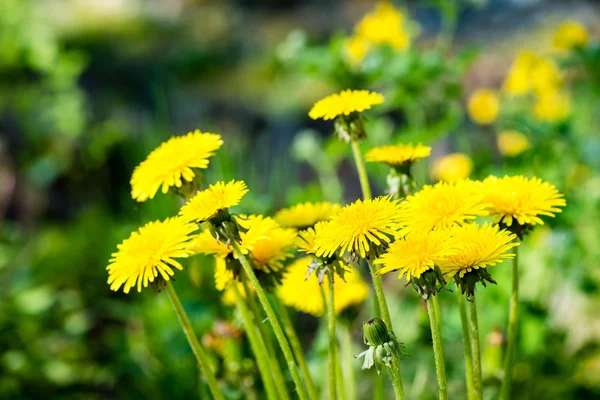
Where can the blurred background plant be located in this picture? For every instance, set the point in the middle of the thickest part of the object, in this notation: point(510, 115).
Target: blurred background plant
point(88, 88)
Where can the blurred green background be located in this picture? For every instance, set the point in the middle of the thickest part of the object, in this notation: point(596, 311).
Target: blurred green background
point(89, 88)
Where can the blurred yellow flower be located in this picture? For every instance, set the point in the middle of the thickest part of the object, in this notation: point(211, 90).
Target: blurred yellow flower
point(223, 275)
point(478, 247)
point(400, 155)
point(545, 76)
point(452, 167)
point(304, 215)
point(416, 253)
point(305, 294)
point(520, 199)
point(150, 251)
point(359, 227)
point(518, 80)
point(483, 106)
point(307, 239)
point(171, 162)
point(512, 143)
point(269, 252)
point(569, 35)
point(207, 203)
point(345, 103)
point(384, 25)
point(552, 106)
point(442, 206)
point(356, 49)
point(205, 243)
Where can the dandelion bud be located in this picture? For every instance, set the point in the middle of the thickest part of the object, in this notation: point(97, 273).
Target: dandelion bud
point(375, 332)
point(383, 345)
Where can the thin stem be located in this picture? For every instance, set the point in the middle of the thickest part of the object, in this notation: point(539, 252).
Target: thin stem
point(513, 320)
point(385, 316)
point(362, 172)
point(476, 351)
point(264, 301)
point(438, 352)
point(347, 361)
point(396, 382)
point(290, 332)
point(258, 347)
point(332, 339)
point(194, 344)
point(464, 319)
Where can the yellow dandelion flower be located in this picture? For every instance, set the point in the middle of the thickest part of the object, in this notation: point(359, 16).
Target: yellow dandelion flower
point(452, 167)
point(512, 143)
point(223, 275)
point(205, 243)
point(478, 247)
point(356, 49)
point(150, 251)
point(545, 76)
point(569, 35)
point(269, 252)
point(442, 206)
point(305, 294)
point(307, 238)
point(552, 106)
point(483, 106)
point(417, 253)
point(345, 103)
point(400, 155)
point(256, 227)
point(520, 199)
point(172, 163)
point(359, 227)
point(518, 80)
point(207, 203)
point(384, 25)
point(302, 216)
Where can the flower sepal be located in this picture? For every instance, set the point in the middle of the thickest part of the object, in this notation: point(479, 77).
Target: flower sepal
point(429, 283)
point(467, 282)
point(350, 127)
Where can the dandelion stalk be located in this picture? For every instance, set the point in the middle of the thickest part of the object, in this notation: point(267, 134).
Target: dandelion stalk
point(438, 352)
point(258, 347)
point(476, 351)
point(332, 339)
point(513, 320)
point(290, 332)
point(347, 359)
point(264, 301)
point(362, 172)
point(464, 319)
point(194, 344)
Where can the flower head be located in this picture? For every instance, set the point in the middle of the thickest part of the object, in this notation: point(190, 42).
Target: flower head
point(384, 25)
point(150, 251)
point(304, 293)
point(483, 106)
point(304, 215)
point(345, 103)
point(520, 200)
point(356, 49)
point(417, 253)
point(206, 243)
point(518, 80)
point(383, 345)
point(442, 206)
point(173, 161)
point(398, 156)
point(512, 143)
point(207, 203)
point(552, 106)
point(453, 167)
point(359, 228)
point(569, 35)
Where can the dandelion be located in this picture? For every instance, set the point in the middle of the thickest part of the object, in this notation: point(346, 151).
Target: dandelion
point(345, 103)
point(208, 203)
point(304, 294)
point(401, 156)
point(206, 243)
point(512, 143)
point(442, 206)
point(483, 106)
point(569, 35)
point(521, 200)
point(305, 215)
point(269, 252)
point(356, 49)
point(545, 76)
point(223, 275)
point(360, 228)
point(384, 26)
point(150, 251)
point(518, 80)
point(552, 106)
point(452, 167)
point(173, 163)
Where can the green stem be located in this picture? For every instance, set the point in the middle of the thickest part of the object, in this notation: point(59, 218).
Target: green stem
point(362, 172)
point(385, 316)
point(194, 344)
point(438, 352)
point(258, 347)
point(476, 351)
point(349, 379)
point(332, 338)
point(290, 332)
point(464, 319)
point(513, 320)
point(264, 301)
point(396, 382)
